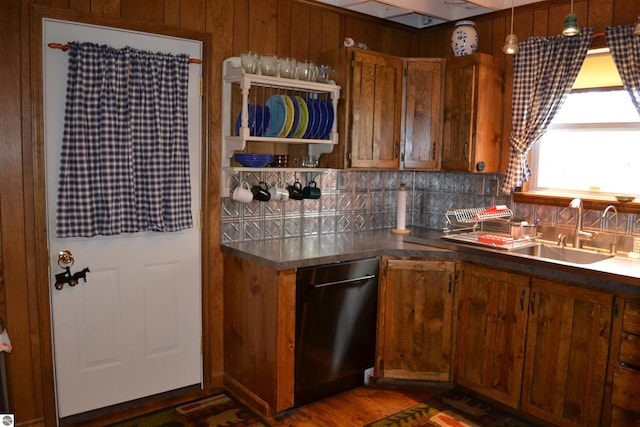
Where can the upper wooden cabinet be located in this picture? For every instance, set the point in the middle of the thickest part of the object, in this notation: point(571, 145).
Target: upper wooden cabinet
point(390, 110)
point(423, 109)
point(370, 114)
point(416, 319)
point(473, 113)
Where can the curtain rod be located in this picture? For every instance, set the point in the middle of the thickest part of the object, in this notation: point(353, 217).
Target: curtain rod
point(64, 48)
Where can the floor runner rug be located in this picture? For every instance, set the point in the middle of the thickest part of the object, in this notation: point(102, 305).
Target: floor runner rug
point(451, 408)
point(213, 411)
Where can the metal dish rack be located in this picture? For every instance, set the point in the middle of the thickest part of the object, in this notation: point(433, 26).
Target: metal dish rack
point(474, 218)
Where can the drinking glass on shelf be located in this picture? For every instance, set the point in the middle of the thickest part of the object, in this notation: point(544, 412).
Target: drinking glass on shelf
point(287, 67)
point(269, 65)
point(249, 61)
point(324, 73)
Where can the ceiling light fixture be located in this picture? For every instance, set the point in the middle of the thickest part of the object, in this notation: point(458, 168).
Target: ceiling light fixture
point(636, 29)
point(571, 27)
point(511, 42)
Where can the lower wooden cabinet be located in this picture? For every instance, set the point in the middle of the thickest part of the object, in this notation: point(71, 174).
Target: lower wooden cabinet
point(537, 345)
point(568, 336)
point(492, 332)
point(623, 408)
point(416, 317)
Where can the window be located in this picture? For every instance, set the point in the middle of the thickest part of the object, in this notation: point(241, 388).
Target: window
point(592, 147)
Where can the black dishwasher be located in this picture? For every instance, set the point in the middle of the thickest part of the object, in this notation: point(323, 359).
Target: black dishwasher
point(336, 313)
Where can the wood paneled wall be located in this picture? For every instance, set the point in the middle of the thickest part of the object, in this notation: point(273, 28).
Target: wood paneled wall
point(299, 28)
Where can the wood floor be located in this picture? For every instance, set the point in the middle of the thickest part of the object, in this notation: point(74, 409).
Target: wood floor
point(353, 408)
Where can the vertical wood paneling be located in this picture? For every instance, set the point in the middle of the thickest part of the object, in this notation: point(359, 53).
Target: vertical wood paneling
point(600, 14)
point(332, 35)
point(108, 8)
point(192, 16)
point(297, 34)
point(147, 10)
point(263, 25)
point(172, 13)
point(241, 27)
point(80, 6)
point(625, 11)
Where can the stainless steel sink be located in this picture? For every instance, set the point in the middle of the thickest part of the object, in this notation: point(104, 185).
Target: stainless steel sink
point(575, 256)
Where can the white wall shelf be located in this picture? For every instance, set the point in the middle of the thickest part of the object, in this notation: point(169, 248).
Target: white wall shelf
point(256, 89)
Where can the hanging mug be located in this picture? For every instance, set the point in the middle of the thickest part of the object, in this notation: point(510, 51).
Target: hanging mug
point(243, 193)
point(279, 191)
point(295, 191)
point(261, 192)
point(311, 191)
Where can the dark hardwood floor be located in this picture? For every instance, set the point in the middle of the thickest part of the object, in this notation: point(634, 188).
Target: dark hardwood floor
point(352, 408)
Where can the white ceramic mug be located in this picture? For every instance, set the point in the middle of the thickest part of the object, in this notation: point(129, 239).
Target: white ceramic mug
point(243, 193)
point(279, 191)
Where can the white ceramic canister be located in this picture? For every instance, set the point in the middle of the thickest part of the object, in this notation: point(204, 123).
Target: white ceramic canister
point(464, 39)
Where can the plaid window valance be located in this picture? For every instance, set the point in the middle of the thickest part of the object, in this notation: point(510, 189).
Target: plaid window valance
point(124, 164)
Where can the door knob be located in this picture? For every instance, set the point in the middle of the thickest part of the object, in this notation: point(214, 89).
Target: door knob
point(65, 257)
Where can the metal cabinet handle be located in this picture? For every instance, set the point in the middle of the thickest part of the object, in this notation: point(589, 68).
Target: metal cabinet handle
point(522, 300)
point(533, 303)
point(343, 282)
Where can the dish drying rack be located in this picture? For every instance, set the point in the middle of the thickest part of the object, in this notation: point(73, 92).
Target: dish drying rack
point(472, 218)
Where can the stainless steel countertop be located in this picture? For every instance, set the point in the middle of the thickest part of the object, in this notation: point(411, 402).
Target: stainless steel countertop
point(618, 274)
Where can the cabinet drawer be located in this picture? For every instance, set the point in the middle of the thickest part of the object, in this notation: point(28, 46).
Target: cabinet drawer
point(631, 319)
point(622, 418)
point(630, 349)
point(626, 388)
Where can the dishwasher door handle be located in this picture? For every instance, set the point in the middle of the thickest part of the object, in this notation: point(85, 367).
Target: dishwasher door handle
point(346, 281)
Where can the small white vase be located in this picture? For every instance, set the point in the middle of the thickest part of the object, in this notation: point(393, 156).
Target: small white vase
point(464, 39)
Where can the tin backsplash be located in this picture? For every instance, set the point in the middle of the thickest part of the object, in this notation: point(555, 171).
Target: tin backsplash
point(355, 200)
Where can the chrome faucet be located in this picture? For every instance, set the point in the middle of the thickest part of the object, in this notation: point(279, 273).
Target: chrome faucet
point(614, 246)
point(579, 234)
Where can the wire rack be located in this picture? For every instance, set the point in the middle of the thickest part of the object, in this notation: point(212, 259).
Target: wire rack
point(457, 218)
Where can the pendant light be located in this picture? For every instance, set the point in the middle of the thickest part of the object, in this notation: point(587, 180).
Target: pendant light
point(571, 27)
point(511, 42)
point(636, 28)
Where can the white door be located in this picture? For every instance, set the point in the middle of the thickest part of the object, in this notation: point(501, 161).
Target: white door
point(134, 328)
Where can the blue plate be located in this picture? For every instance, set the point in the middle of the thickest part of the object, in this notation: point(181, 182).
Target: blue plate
point(319, 122)
point(324, 108)
point(262, 120)
point(296, 117)
point(331, 117)
point(258, 119)
point(313, 118)
point(278, 117)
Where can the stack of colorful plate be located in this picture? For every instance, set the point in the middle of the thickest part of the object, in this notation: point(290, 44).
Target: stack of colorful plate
point(254, 160)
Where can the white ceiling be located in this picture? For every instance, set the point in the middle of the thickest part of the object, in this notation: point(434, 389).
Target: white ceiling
point(425, 13)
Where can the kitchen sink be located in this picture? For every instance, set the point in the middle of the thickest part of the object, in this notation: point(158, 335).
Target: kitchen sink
point(575, 256)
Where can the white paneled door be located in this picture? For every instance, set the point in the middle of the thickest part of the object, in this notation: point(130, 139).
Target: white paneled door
point(134, 328)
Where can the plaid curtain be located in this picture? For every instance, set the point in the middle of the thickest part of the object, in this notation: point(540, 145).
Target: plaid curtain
point(124, 160)
point(544, 70)
point(625, 50)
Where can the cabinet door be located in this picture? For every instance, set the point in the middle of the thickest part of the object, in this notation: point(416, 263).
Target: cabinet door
point(566, 356)
point(376, 110)
point(424, 87)
point(492, 327)
point(415, 326)
point(473, 113)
